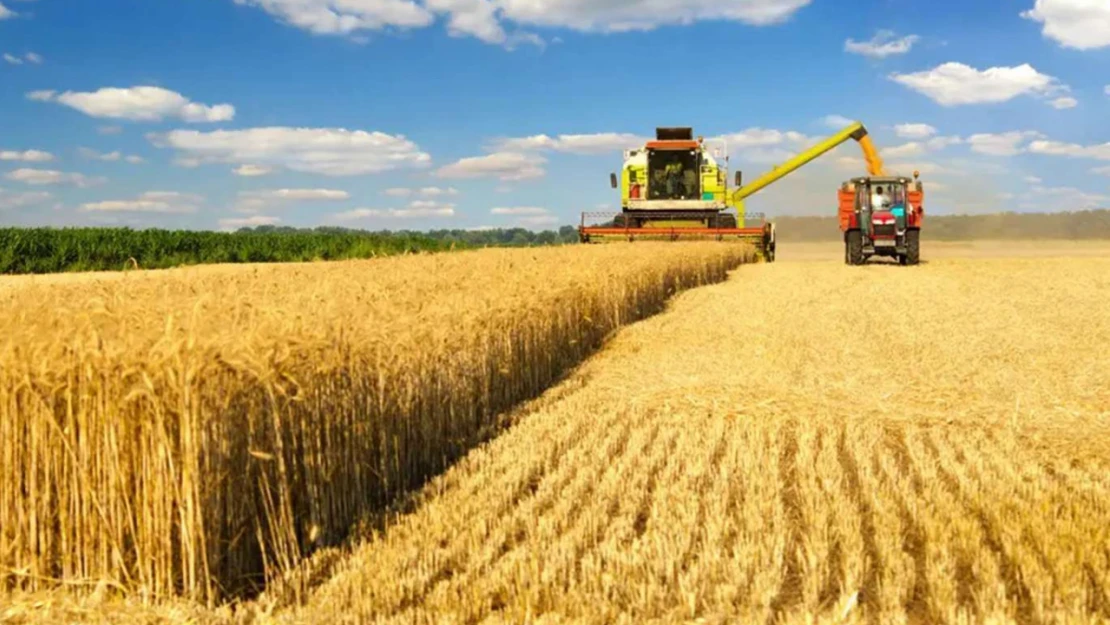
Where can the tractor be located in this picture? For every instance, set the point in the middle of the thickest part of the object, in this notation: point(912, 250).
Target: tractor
point(882, 216)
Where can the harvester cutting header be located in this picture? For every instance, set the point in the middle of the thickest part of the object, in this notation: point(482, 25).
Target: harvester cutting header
point(676, 188)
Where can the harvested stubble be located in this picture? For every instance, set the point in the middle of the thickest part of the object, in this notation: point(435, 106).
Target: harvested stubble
point(184, 432)
point(806, 443)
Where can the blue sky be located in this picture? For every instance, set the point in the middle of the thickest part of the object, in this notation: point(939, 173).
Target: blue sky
point(472, 113)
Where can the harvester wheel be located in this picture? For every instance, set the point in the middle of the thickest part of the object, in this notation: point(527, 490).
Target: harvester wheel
point(853, 247)
point(913, 247)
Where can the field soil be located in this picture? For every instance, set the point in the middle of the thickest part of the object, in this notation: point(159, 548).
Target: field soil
point(806, 442)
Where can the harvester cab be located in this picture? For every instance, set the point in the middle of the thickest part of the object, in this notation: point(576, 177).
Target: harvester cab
point(882, 216)
point(676, 187)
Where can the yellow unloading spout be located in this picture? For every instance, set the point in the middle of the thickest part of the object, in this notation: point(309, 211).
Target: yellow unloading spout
point(871, 155)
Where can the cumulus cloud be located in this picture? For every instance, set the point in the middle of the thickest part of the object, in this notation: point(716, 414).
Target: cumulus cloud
point(597, 143)
point(6, 13)
point(327, 151)
point(1067, 198)
point(1065, 102)
point(27, 156)
point(1074, 150)
point(11, 59)
point(500, 165)
point(142, 103)
point(885, 43)
point(252, 171)
point(257, 201)
point(109, 156)
point(160, 202)
point(912, 148)
point(914, 131)
point(422, 192)
point(501, 21)
point(10, 200)
point(232, 223)
point(344, 17)
point(52, 177)
point(418, 208)
point(1079, 24)
point(33, 58)
point(954, 84)
point(518, 210)
point(939, 143)
point(836, 121)
point(1001, 144)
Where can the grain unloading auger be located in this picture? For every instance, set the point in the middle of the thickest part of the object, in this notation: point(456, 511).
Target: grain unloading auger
point(675, 188)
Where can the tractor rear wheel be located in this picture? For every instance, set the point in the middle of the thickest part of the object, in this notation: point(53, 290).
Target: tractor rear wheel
point(853, 247)
point(913, 247)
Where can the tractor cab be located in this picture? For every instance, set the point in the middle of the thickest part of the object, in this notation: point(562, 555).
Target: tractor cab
point(881, 216)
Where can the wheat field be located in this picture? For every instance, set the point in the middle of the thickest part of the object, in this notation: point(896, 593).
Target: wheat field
point(849, 444)
point(804, 443)
point(195, 432)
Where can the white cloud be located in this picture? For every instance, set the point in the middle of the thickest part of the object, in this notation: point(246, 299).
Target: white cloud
point(251, 171)
point(761, 138)
point(1080, 24)
point(953, 84)
point(1067, 198)
point(257, 201)
point(836, 121)
point(161, 202)
point(518, 210)
point(344, 17)
point(48, 176)
point(28, 156)
point(939, 143)
point(597, 143)
point(882, 45)
point(12, 60)
point(1102, 171)
point(914, 131)
point(1033, 180)
point(134, 206)
point(327, 151)
point(6, 13)
point(109, 156)
point(538, 220)
point(913, 148)
point(419, 208)
point(437, 191)
point(1056, 148)
point(231, 223)
point(500, 165)
point(1065, 102)
point(148, 104)
point(9, 200)
point(33, 58)
point(109, 130)
point(1106, 89)
point(1001, 144)
point(423, 191)
point(497, 21)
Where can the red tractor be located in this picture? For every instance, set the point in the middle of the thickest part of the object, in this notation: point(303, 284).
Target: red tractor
point(882, 216)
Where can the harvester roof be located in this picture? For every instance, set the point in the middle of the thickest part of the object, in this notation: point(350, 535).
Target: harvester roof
point(674, 134)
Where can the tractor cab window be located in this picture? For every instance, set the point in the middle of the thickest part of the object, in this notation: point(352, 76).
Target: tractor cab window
point(673, 175)
point(897, 195)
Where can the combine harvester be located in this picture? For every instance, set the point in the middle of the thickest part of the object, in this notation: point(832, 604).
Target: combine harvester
point(674, 188)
